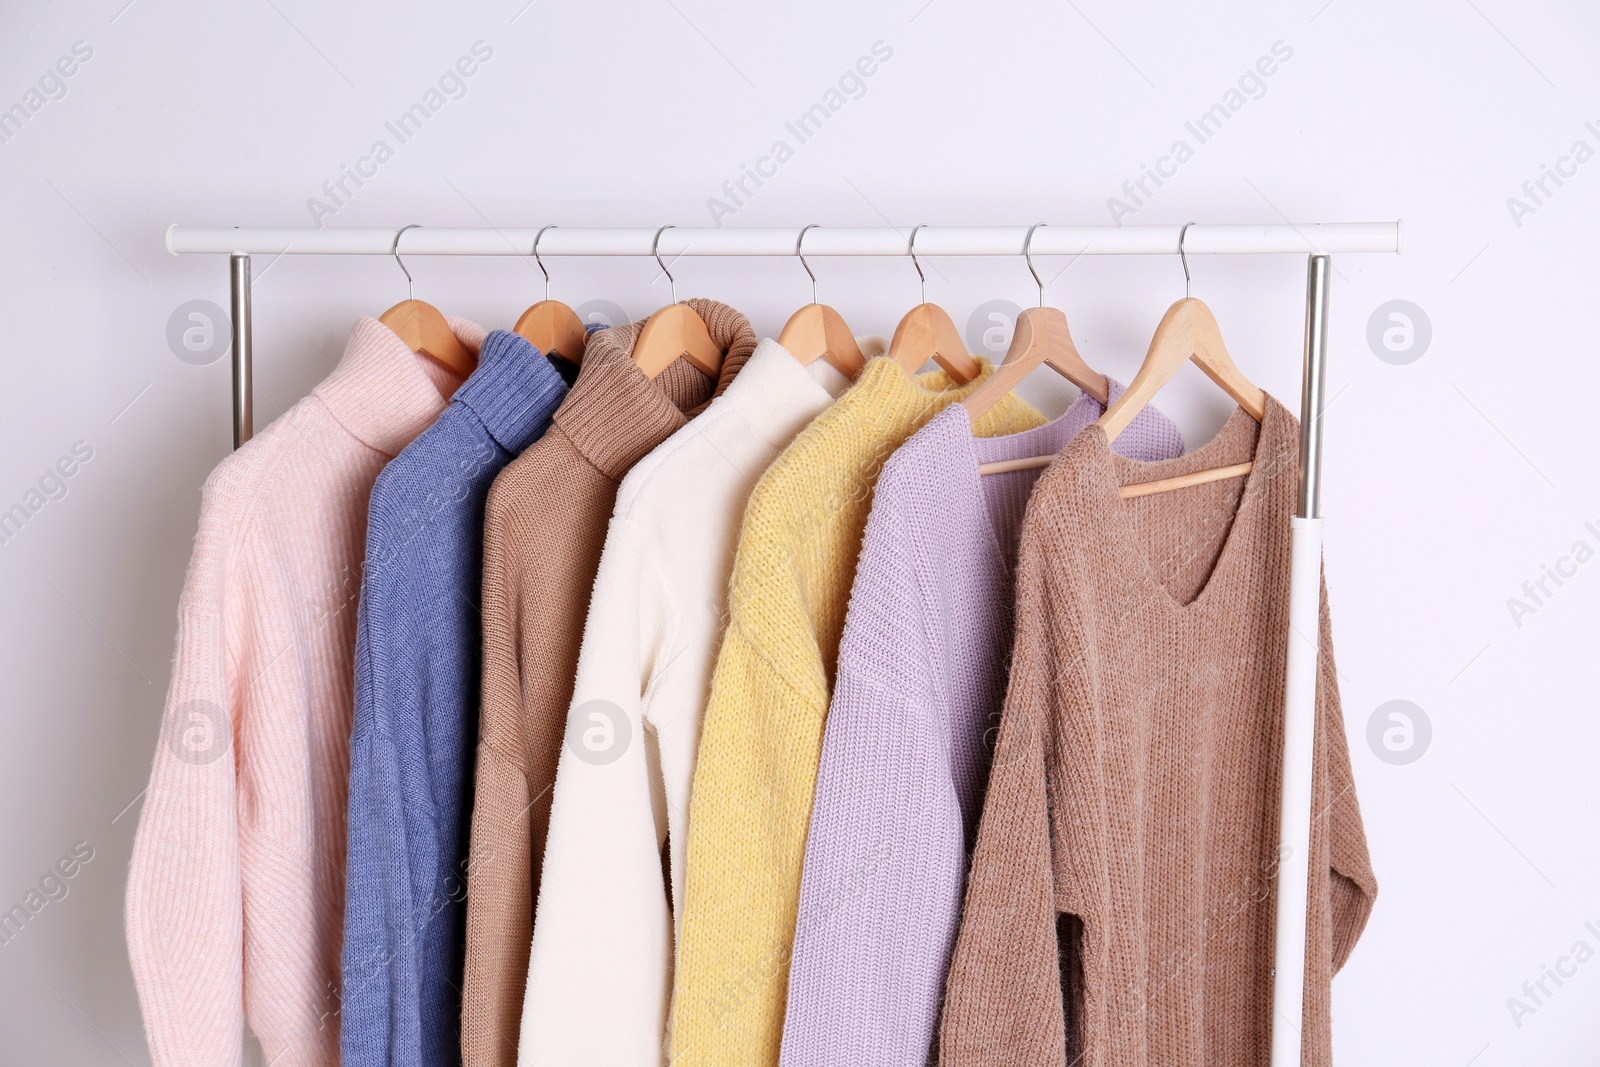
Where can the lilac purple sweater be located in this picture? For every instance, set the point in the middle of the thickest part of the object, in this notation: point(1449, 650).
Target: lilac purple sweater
point(905, 757)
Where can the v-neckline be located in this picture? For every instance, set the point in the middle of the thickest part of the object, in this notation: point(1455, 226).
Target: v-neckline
point(1130, 550)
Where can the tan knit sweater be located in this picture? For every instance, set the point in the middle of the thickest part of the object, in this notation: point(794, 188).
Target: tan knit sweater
point(1120, 907)
point(544, 527)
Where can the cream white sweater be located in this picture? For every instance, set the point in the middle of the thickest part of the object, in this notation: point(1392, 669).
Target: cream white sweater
point(600, 971)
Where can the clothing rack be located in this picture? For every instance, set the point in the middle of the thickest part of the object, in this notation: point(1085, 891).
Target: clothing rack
point(1316, 240)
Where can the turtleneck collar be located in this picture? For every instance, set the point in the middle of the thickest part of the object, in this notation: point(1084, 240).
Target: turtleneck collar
point(513, 390)
point(384, 393)
point(614, 415)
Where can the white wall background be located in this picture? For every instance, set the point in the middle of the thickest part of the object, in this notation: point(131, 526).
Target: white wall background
point(1450, 481)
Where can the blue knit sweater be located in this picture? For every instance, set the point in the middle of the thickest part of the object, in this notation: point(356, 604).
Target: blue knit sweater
point(418, 652)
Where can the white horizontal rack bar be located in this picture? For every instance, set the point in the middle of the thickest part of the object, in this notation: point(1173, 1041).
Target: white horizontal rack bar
point(1300, 238)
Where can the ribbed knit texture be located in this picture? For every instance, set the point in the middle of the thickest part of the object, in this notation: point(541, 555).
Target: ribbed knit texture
point(418, 673)
point(1120, 908)
point(543, 530)
point(762, 735)
point(600, 976)
point(905, 757)
point(235, 900)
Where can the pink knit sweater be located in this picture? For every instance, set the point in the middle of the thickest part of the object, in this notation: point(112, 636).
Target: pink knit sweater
point(235, 901)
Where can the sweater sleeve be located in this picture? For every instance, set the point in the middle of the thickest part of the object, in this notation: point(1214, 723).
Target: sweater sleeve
point(1004, 996)
point(377, 961)
point(599, 969)
point(379, 958)
point(500, 864)
point(1352, 886)
point(184, 910)
point(885, 857)
point(751, 803)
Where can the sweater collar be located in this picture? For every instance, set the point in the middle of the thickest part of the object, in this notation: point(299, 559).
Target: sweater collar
point(513, 390)
point(383, 393)
point(614, 415)
point(1042, 440)
point(885, 381)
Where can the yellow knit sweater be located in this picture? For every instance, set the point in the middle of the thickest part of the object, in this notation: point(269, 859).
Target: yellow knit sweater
point(762, 738)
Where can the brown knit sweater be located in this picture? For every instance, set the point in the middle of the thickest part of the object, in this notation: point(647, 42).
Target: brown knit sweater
point(544, 527)
point(1120, 908)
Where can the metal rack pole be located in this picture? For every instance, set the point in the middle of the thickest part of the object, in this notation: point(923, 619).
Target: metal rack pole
point(1312, 386)
point(1300, 690)
point(239, 313)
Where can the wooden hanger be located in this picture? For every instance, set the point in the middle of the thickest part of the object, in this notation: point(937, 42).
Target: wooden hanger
point(1188, 331)
point(554, 329)
point(423, 327)
point(817, 331)
point(675, 332)
point(551, 326)
point(927, 332)
point(1041, 336)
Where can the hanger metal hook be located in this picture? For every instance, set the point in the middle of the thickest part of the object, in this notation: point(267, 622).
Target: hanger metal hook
point(1027, 253)
point(1183, 258)
point(655, 250)
point(394, 250)
point(921, 277)
point(536, 239)
point(799, 246)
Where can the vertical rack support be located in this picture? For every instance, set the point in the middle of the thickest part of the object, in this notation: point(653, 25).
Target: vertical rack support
point(239, 314)
point(1312, 387)
point(1300, 689)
